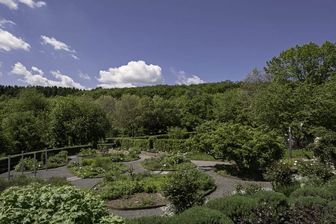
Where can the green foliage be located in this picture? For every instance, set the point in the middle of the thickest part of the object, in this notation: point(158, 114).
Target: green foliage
point(77, 121)
point(315, 171)
point(324, 146)
point(173, 161)
point(25, 180)
point(96, 167)
point(50, 204)
point(151, 220)
point(313, 192)
point(177, 133)
point(251, 149)
point(170, 145)
point(184, 188)
point(307, 209)
point(238, 208)
point(281, 174)
point(201, 215)
point(27, 164)
point(60, 159)
point(307, 63)
point(117, 185)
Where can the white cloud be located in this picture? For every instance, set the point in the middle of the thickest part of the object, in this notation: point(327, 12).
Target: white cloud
point(10, 42)
point(35, 77)
point(5, 22)
point(184, 79)
point(0, 69)
point(84, 76)
point(130, 75)
point(58, 45)
point(14, 4)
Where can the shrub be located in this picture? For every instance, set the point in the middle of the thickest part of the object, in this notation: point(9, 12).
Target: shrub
point(280, 174)
point(27, 164)
point(150, 220)
point(60, 159)
point(252, 149)
point(238, 208)
point(174, 161)
point(202, 215)
point(315, 171)
point(312, 192)
point(182, 189)
point(307, 210)
point(330, 213)
point(324, 146)
point(272, 207)
point(50, 204)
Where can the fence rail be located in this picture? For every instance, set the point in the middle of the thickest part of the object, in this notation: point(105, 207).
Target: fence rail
point(12, 161)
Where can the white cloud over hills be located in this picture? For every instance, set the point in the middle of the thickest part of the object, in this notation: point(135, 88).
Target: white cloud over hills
point(185, 79)
point(10, 42)
point(35, 77)
point(130, 75)
point(58, 45)
point(14, 4)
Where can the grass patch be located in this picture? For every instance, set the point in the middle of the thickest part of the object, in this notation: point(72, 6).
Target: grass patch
point(300, 153)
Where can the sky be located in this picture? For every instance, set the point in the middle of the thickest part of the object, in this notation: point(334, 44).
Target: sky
point(125, 43)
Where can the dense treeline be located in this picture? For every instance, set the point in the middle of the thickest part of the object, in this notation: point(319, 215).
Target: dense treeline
point(297, 89)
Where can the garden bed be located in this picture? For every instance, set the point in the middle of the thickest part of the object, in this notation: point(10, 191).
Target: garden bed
point(171, 162)
point(138, 201)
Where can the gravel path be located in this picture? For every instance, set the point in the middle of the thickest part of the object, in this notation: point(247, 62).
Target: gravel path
point(63, 171)
point(225, 185)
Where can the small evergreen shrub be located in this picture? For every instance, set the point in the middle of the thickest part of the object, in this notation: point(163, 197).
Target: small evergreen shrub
point(238, 208)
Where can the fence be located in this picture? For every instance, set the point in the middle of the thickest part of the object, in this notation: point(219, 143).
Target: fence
point(13, 160)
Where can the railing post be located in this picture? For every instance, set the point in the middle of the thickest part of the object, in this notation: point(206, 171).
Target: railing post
point(22, 162)
point(46, 160)
point(35, 164)
point(9, 167)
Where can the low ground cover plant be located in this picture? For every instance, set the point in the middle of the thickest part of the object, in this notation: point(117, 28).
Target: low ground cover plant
point(170, 162)
point(118, 185)
point(25, 180)
point(46, 204)
point(96, 167)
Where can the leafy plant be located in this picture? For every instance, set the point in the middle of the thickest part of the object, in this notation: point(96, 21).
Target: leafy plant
point(50, 204)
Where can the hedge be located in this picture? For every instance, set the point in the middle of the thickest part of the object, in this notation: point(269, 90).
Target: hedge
point(169, 145)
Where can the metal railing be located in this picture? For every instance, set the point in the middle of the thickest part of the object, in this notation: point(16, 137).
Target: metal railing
point(12, 163)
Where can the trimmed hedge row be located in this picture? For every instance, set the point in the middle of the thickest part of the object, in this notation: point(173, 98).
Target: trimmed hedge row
point(195, 215)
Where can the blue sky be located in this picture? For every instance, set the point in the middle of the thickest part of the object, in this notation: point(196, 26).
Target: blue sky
point(118, 43)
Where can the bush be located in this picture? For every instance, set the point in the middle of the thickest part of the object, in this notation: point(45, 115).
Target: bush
point(174, 161)
point(330, 213)
point(202, 215)
point(182, 189)
point(238, 208)
point(27, 164)
point(312, 192)
point(315, 171)
point(150, 220)
point(324, 146)
point(272, 207)
point(281, 175)
point(50, 204)
point(253, 150)
point(135, 143)
point(60, 159)
point(307, 210)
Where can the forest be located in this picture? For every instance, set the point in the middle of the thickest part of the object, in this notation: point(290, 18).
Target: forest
point(296, 89)
point(145, 148)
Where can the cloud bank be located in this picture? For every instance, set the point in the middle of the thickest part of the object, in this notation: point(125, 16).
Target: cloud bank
point(133, 74)
point(35, 77)
point(10, 42)
point(58, 45)
point(14, 4)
